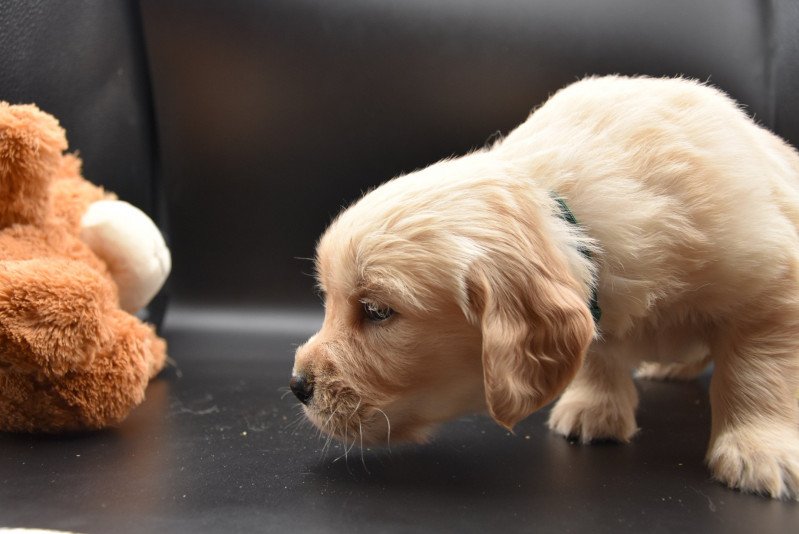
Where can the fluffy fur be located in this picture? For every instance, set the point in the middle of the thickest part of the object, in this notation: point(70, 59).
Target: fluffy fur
point(70, 358)
point(690, 210)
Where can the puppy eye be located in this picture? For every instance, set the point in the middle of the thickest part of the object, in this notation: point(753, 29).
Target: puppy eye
point(376, 313)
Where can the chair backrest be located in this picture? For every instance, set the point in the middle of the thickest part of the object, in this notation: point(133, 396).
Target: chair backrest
point(272, 115)
point(84, 62)
point(275, 114)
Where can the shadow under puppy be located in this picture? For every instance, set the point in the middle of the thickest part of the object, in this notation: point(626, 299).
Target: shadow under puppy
point(469, 285)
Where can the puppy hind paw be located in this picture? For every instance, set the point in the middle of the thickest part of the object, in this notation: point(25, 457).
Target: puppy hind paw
point(593, 421)
point(743, 462)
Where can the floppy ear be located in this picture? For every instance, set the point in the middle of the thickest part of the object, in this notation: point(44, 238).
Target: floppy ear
point(536, 329)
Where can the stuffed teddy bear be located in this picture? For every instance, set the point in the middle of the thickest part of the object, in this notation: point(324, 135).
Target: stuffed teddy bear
point(75, 264)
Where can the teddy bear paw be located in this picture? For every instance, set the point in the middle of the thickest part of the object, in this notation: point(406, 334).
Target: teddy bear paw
point(132, 247)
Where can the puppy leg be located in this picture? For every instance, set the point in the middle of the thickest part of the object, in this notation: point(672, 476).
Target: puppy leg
point(754, 444)
point(600, 402)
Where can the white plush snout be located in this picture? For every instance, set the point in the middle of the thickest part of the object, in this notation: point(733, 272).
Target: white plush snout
point(132, 247)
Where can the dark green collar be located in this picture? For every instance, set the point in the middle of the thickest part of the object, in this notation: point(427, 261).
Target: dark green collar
point(567, 215)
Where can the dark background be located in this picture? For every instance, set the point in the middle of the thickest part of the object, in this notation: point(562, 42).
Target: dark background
point(298, 106)
point(242, 127)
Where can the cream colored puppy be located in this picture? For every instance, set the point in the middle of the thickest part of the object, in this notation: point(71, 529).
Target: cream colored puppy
point(467, 285)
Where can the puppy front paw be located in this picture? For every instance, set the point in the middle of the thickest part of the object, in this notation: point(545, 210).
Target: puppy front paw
point(757, 460)
point(594, 418)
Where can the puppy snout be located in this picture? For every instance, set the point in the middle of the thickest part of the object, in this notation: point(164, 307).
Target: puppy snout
point(302, 387)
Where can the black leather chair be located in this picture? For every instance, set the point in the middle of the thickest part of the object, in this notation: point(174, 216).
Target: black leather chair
point(245, 125)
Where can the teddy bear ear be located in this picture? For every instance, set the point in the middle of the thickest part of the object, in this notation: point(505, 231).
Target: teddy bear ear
point(31, 145)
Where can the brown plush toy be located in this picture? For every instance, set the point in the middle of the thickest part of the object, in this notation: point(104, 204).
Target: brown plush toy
point(74, 264)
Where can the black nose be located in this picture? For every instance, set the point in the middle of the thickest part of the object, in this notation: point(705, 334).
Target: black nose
point(302, 388)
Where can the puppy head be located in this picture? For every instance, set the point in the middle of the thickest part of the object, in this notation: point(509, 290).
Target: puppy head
point(444, 294)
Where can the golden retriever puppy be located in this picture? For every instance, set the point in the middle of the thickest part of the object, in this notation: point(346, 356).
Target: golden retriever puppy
point(470, 285)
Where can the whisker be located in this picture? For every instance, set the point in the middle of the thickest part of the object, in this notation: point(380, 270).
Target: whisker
point(326, 446)
point(388, 431)
point(354, 411)
point(363, 462)
point(331, 417)
point(331, 441)
point(323, 450)
point(346, 453)
point(323, 426)
point(295, 424)
point(346, 450)
point(330, 432)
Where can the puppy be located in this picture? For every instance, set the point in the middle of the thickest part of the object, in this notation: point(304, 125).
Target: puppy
point(470, 285)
